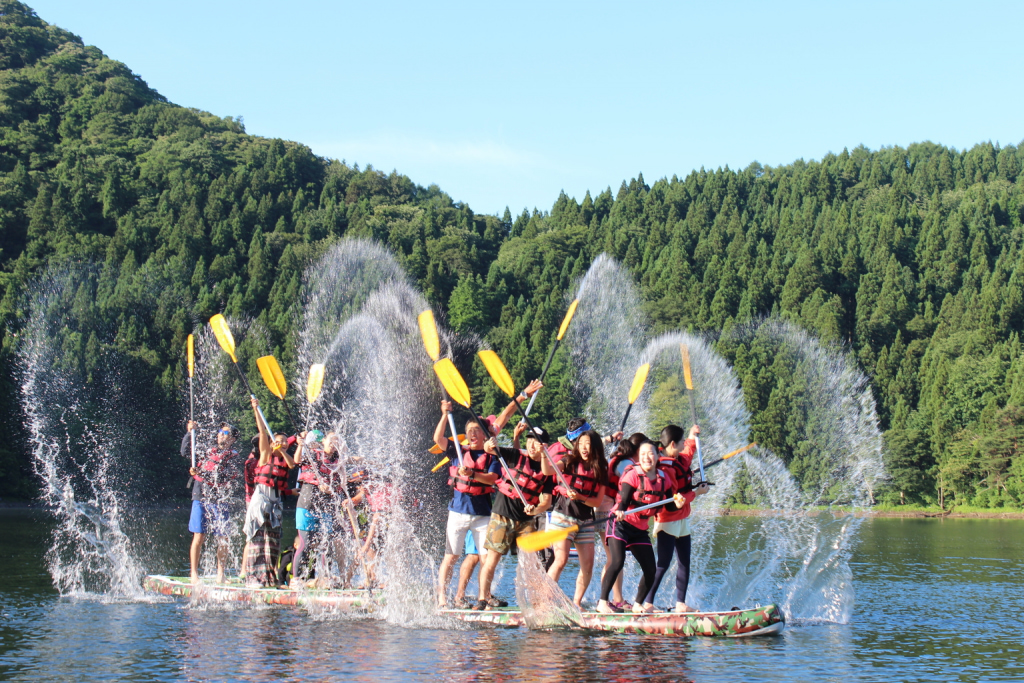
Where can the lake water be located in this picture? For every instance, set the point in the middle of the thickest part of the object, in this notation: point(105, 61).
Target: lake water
point(936, 600)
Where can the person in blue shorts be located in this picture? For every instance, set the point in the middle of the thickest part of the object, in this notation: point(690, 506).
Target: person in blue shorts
point(216, 479)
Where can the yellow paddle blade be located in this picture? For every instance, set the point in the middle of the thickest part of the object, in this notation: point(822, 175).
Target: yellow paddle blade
point(496, 369)
point(738, 451)
point(315, 382)
point(452, 381)
point(428, 330)
point(444, 461)
point(223, 334)
point(639, 379)
point(191, 346)
point(686, 366)
point(539, 540)
point(568, 317)
point(272, 375)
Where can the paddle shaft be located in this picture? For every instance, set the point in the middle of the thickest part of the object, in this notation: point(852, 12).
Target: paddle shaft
point(350, 508)
point(547, 364)
point(192, 419)
point(631, 511)
point(558, 472)
point(259, 410)
point(622, 427)
point(511, 479)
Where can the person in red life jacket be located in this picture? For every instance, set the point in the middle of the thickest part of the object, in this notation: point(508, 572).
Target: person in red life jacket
point(381, 496)
point(641, 485)
point(215, 479)
point(264, 514)
point(474, 480)
point(510, 516)
point(672, 527)
point(585, 470)
point(622, 459)
point(314, 511)
point(249, 476)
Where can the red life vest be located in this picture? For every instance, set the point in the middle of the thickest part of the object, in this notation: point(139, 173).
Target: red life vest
point(274, 474)
point(468, 485)
point(649, 492)
point(529, 477)
point(212, 470)
point(680, 472)
point(315, 468)
point(582, 480)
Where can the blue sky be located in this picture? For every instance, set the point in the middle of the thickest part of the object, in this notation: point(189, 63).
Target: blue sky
point(509, 103)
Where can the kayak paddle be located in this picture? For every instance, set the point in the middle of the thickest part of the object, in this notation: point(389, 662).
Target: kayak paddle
point(227, 342)
point(191, 351)
point(274, 379)
point(688, 379)
point(558, 340)
point(729, 455)
point(499, 373)
point(639, 379)
point(431, 342)
point(539, 540)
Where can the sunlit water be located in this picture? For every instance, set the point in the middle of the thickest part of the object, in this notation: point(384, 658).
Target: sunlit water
point(936, 601)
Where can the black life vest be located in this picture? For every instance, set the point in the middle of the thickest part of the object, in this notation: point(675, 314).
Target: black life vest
point(468, 485)
point(649, 492)
point(212, 469)
point(274, 474)
point(581, 480)
point(529, 477)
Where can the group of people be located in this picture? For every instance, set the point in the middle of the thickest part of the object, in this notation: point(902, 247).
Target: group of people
point(503, 493)
point(500, 493)
point(329, 498)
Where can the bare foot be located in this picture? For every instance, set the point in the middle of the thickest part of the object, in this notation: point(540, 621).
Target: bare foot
point(195, 577)
point(642, 609)
point(682, 608)
point(604, 608)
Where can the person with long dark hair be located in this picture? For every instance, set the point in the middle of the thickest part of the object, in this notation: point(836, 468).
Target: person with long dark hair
point(641, 485)
point(622, 459)
point(585, 470)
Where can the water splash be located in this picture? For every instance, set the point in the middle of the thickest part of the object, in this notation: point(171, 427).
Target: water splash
point(68, 386)
point(544, 604)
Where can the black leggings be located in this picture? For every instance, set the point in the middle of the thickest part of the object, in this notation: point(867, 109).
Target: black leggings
point(642, 551)
point(667, 544)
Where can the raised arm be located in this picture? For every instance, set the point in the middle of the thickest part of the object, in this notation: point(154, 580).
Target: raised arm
point(265, 449)
point(502, 419)
point(439, 438)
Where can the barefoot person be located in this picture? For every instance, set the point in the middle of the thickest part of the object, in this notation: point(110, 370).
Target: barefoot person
point(474, 480)
point(264, 514)
point(510, 516)
point(585, 470)
point(622, 459)
point(315, 509)
point(215, 480)
point(641, 485)
point(672, 527)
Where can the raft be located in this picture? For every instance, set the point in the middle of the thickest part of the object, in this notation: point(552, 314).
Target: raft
point(740, 623)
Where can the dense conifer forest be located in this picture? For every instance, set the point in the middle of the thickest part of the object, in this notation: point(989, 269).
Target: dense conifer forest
point(911, 259)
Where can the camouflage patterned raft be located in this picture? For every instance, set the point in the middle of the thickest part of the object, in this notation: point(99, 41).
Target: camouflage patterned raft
point(742, 623)
point(235, 591)
point(756, 621)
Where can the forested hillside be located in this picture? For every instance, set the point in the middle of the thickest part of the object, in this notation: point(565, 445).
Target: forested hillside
point(912, 258)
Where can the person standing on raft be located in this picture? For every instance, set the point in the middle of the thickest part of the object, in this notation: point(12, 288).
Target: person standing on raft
point(215, 479)
point(641, 485)
point(314, 511)
point(672, 527)
point(510, 516)
point(264, 514)
point(473, 479)
point(586, 472)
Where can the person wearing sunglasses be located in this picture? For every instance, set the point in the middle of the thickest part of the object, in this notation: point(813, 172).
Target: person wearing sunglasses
point(215, 481)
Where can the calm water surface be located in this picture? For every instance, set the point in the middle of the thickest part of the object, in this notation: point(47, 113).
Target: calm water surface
point(937, 600)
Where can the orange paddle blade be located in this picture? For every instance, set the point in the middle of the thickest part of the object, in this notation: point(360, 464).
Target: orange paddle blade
point(428, 330)
point(223, 334)
point(272, 375)
point(639, 379)
point(568, 318)
point(444, 461)
point(452, 381)
point(738, 450)
point(191, 348)
point(496, 369)
point(687, 377)
point(315, 382)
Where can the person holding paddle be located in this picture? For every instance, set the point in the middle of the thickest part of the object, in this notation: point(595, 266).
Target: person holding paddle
point(265, 512)
point(584, 473)
point(314, 513)
point(524, 492)
point(672, 527)
point(473, 479)
point(215, 481)
point(641, 485)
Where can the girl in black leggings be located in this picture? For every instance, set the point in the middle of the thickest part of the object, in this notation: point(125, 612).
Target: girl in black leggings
point(640, 485)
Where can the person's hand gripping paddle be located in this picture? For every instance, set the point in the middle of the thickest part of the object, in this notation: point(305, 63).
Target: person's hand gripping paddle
point(227, 342)
point(432, 343)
